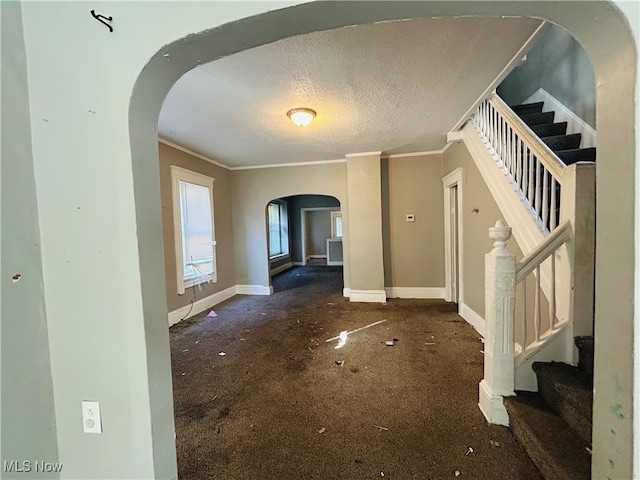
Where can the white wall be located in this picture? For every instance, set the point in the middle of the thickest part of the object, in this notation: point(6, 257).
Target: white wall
point(97, 188)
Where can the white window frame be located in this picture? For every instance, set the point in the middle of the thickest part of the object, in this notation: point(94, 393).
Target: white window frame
point(282, 205)
point(179, 174)
point(334, 216)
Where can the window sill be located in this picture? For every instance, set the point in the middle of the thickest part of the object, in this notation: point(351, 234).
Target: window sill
point(276, 258)
point(194, 282)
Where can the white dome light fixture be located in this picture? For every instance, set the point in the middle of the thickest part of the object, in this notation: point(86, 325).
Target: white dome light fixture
point(301, 116)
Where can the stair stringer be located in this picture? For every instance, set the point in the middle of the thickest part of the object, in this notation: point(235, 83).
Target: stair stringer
point(525, 229)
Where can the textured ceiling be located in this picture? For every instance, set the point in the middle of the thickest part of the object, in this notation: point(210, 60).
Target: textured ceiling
point(396, 87)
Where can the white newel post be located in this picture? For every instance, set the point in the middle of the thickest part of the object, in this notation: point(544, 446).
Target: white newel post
point(500, 294)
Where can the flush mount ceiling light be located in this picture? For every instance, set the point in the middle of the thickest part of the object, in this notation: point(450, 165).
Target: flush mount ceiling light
point(301, 116)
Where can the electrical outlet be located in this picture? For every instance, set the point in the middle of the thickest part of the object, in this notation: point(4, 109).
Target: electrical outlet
point(91, 422)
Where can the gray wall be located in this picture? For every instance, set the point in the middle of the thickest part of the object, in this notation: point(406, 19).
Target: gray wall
point(296, 204)
point(318, 229)
point(26, 390)
point(222, 224)
point(559, 65)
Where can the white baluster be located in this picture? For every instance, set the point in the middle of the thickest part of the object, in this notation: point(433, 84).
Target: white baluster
point(530, 175)
point(545, 198)
point(512, 144)
point(524, 313)
point(494, 131)
point(519, 164)
point(537, 188)
point(536, 306)
point(554, 219)
point(484, 119)
point(552, 293)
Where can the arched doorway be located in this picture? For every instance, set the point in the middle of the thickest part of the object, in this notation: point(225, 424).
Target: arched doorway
point(615, 76)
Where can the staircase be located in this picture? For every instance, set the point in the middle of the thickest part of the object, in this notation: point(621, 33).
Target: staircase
point(553, 425)
point(554, 135)
point(544, 185)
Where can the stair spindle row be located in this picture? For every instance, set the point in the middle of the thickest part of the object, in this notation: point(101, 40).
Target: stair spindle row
point(533, 181)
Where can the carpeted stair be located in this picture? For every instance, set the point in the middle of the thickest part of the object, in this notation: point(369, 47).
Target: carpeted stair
point(554, 135)
point(554, 424)
point(566, 147)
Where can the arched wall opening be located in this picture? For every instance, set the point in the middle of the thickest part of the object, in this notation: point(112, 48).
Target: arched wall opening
point(309, 223)
point(615, 78)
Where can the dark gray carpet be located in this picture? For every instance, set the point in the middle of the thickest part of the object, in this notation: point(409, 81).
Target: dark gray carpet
point(278, 406)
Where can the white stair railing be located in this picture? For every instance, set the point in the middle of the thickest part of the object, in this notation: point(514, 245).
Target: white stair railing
point(502, 275)
point(529, 267)
point(537, 193)
point(554, 227)
point(532, 167)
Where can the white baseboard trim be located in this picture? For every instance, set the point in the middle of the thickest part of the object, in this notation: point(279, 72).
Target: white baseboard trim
point(299, 264)
point(475, 320)
point(373, 296)
point(574, 123)
point(414, 292)
point(254, 290)
point(201, 305)
point(281, 268)
point(346, 292)
point(316, 256)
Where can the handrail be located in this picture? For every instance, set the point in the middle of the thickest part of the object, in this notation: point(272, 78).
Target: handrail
point(550, 160)
point(533, 168)
point(551, 243)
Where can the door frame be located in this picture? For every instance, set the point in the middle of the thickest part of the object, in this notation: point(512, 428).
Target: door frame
point(303, 227)
point(449, 182)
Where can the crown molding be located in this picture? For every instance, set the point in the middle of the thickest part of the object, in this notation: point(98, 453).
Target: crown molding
point(192, 153)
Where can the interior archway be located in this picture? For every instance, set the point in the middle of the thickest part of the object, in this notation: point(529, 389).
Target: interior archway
point(615, 77)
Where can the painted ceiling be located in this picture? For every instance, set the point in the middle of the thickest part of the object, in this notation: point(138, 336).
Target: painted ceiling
point(396, 87)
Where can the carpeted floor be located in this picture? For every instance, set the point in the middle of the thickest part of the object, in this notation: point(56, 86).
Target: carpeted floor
point(278, 406)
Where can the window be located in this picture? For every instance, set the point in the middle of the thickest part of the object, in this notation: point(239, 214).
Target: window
point(278, 228)
point(194, 228)
point(336, 224)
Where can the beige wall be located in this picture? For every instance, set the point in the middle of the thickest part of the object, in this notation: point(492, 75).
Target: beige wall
point(364, 223)
point(413, 251)
point(253, 189)
point(476, 244)
point(222, 224)
point(479, 213)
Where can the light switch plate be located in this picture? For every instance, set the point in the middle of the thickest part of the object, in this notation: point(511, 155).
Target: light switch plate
point(411, 217)
point(91, 422)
